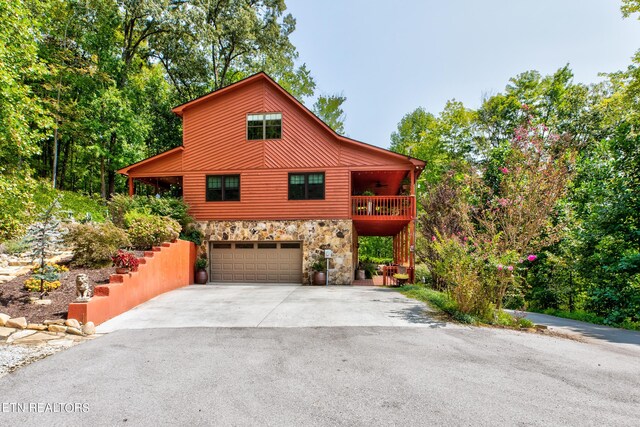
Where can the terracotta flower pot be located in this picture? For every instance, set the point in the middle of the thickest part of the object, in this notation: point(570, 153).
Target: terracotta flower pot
point(201, 277)
point(122, 270)
point(319, 278)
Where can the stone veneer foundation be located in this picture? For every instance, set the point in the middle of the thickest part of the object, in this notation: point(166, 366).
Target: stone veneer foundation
point(315, 235)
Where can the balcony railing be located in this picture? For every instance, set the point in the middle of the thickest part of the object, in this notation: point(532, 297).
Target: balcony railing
point(382, 207)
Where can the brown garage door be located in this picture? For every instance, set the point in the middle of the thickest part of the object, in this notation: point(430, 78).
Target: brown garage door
point(256, 262)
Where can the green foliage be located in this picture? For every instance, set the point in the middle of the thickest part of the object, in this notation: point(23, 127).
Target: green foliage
point(375, 249)
point(37, 285)
point(174, 208)
point(14, 247)
point(192, 233)
point(76, 204)
point(22, 115)
point(43, 237)
point(366, 259)
point(201, 263)
point(320, 263)
point(585, 316)
point(22, 198)
point(329, 109)
point(94, 244)
point(147, 230)
point(439, 300)
point(15, 204)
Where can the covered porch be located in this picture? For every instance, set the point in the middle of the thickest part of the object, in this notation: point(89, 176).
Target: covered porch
point(383, 203)
point(155, 185)
point(160, 174)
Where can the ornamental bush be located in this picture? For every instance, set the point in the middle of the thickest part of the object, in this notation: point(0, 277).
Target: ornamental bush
point(121, 205)
point(146, 230)
point(33, 285)
point(95, 244)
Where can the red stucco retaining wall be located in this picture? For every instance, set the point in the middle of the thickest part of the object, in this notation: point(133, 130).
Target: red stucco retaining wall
point(162, 269)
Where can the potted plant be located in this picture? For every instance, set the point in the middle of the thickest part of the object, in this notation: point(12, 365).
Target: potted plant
point(201, 276)
point(360, 272)
point(369, 193)
point(406, 184)
point(401, 279)
point(319, 272)
point(124, 262)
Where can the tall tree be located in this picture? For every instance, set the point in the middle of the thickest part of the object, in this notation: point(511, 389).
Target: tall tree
point(217, 42)
point(22, 114)
point(329, 109)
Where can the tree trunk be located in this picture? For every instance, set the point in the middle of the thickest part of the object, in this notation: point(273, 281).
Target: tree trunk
point(103, 182)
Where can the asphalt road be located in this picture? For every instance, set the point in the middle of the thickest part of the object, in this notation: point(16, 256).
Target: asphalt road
point(331, 376)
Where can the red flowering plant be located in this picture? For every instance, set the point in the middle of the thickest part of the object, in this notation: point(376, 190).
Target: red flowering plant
point(124, 259)
point(483, 232)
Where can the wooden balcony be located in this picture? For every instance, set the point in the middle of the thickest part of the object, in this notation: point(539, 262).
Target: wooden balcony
point(382, 208)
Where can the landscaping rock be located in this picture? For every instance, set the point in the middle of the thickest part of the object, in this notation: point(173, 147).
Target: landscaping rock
point(89, 328)
point(72, 323)
point(41, 302)
point(18, 323)
point(74, 331)
point(5, 332)
point(35, 338)
point(63, 342)
point(37, 327)
point(19, 334)
point(4, 318)
point(54, 322)
point(57, 328)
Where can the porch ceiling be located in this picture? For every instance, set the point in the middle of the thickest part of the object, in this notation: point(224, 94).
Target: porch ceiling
point(381, 182)
point(377, 227)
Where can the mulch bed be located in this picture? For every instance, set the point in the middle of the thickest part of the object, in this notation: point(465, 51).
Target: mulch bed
point(14, 299)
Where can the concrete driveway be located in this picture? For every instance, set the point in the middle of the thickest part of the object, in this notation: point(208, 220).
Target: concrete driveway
point(274, 306)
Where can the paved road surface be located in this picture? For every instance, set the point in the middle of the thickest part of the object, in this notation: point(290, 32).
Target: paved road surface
point(598, 334)
point(341, 375)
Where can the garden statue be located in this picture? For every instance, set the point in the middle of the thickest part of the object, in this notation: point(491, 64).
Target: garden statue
point(84, 290)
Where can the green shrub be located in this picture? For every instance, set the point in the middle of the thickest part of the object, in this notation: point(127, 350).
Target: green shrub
point(439, 300)
point(15, 247)
point(366, 259)
point(192, 233)
point(77, 205)
point(422, 274)
point(95, 244)
point(525, 323)
point(118, 207)
point(146, 230)
point(15, 204)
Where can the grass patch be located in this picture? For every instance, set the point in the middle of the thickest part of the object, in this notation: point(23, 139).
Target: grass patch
point(436, 299)
point(444, 303)
point(79, 205)
point(585, 316)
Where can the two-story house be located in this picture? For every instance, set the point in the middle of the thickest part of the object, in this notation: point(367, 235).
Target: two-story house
point(272, 186)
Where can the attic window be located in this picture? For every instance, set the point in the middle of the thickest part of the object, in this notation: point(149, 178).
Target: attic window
point(264, 126)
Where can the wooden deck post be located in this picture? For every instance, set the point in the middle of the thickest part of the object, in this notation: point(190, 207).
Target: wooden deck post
point(412, 229)
point(131, 188)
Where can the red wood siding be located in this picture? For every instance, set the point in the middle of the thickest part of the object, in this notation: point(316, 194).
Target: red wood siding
point(167, 165)
point(264, 195)
point(214, 140)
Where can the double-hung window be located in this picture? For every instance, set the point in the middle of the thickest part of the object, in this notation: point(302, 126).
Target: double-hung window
point(223, 188)
point(306, 186)
point(264, 126)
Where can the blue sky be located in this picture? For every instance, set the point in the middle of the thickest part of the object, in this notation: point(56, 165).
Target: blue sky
point(389, 57)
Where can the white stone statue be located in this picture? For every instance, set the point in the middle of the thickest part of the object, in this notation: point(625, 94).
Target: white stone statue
point(84, 290)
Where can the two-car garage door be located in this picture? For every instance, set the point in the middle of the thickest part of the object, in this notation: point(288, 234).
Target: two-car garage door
point(256, 262)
